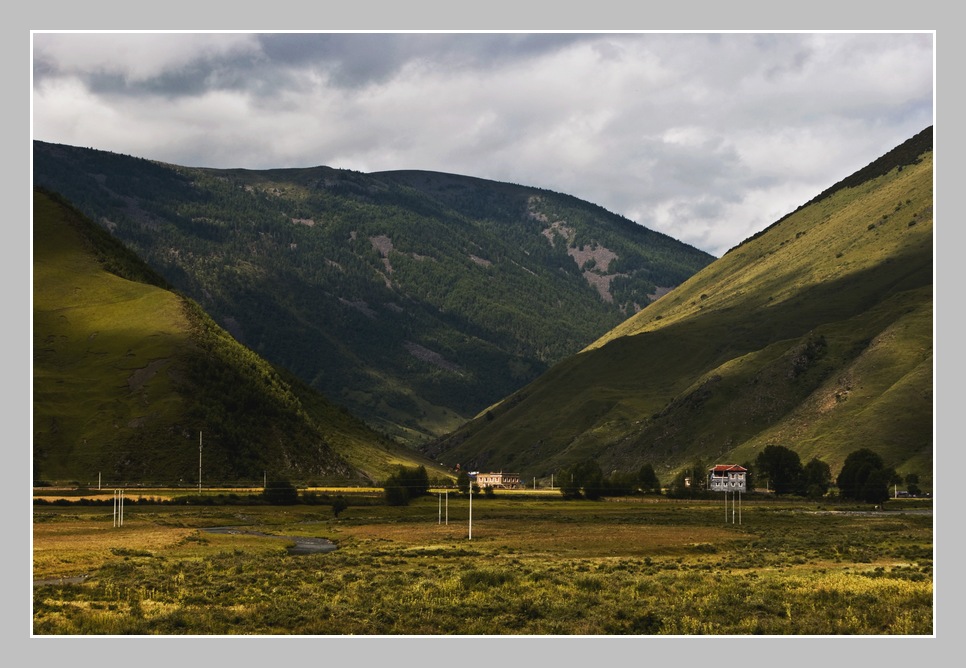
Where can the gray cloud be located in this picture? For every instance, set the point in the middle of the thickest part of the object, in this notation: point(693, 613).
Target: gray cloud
point(354, 60)
point(706, 137)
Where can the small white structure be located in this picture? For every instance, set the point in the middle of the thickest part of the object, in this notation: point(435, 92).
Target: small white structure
point(499, 480)
point(727, 478)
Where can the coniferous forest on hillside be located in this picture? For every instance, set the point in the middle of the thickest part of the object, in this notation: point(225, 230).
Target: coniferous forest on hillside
point(413, 299)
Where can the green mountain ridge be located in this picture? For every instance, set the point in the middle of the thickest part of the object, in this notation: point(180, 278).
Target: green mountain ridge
point(133, 382)
point(413, 299)
point(815, 334)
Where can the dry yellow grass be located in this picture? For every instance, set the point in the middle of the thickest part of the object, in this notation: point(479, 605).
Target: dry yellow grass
point(549, 538)
point(76, 548)
point(532, 567)
point(85, 543)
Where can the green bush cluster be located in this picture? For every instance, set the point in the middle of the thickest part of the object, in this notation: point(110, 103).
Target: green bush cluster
point(586, 479)
point(405, 484)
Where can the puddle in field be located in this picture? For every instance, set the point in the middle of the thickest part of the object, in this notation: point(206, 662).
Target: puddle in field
point(303, 544)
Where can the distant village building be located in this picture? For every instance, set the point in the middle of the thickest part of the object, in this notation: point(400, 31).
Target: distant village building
point(499, 480)
point(727, 478)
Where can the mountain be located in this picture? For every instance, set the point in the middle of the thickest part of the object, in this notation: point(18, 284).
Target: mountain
point(413, 299)
point(815, 334)
point(135, 383)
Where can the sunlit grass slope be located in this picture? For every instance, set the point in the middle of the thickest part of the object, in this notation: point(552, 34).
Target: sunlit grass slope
point(815, 335)
point(130, 380)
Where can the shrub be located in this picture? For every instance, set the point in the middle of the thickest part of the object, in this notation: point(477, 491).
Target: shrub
point(339, 504)
point(783, 467)
point(864, 477)
point(647, 479)
point(405, 484)
point(281, 493)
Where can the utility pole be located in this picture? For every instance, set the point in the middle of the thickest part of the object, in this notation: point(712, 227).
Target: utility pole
point(471, 510)
point(118, 507)
point(199, 462)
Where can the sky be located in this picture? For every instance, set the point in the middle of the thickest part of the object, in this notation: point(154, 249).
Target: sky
point(708, 137)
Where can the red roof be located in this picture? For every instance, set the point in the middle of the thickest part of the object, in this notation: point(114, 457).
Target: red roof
point(723, 468)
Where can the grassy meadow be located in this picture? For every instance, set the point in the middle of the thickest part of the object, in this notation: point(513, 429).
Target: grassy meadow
point(535, 565)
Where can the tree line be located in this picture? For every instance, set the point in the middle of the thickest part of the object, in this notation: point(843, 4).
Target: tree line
point(864, 477)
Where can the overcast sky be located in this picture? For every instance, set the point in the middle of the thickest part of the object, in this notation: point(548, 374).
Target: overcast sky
point(707, 137)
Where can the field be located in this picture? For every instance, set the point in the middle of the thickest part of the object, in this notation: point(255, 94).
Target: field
point(535, 565)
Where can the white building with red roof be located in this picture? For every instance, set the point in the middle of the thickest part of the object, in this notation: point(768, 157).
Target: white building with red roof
point(727, 478)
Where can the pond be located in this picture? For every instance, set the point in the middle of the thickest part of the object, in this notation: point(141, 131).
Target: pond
point(303, 544)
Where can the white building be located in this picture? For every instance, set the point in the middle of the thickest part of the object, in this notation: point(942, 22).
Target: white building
point(499, 480)
point(727, 478)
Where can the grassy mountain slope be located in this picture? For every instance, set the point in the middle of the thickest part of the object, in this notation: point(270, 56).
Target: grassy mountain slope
point(815, 334)
point(414, 299)
point(127, 374)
